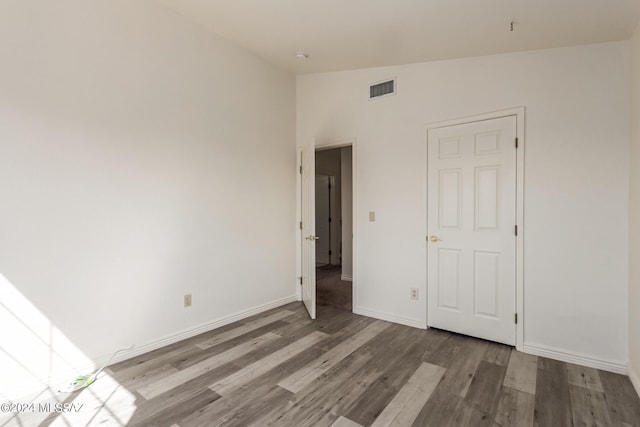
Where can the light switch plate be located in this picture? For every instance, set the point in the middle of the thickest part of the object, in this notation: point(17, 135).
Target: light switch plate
point(372, 216)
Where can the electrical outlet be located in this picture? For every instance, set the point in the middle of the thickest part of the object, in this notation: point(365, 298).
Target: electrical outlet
point(372, 216)
point(187, 300)
point(414, 293)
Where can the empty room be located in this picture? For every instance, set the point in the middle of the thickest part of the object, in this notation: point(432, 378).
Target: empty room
point(337, 213)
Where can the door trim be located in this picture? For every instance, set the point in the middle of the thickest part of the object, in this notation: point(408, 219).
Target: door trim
point(307, 229)
point(519, 113)
point(299, 236)
point(339, 143)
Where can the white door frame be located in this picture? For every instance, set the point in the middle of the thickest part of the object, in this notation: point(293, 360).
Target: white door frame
point(299, 236)
point(349, 142)
point(519, 113)
point(307, 230)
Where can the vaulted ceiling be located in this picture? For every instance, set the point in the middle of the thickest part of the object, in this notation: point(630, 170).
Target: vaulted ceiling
point(349, 34)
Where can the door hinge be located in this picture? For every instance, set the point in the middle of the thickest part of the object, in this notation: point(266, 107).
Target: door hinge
point(329, 186)
point(301, 169)
point(329, 253)
point(516, 318)
point(516, 142)
point(516, 230)
point(300, 225)
point(300, 279)
point(329, 219)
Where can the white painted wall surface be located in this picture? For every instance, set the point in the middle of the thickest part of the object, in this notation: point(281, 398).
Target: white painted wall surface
point(634, 217)
point(346, 165)
point(141, 159)
point(576, 179)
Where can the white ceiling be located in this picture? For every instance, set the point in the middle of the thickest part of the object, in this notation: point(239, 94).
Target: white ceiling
point(349, 34)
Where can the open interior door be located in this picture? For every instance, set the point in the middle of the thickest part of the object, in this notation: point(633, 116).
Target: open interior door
point(307, 171)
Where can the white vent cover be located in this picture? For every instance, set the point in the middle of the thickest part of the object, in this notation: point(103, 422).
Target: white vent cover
point(385, 88)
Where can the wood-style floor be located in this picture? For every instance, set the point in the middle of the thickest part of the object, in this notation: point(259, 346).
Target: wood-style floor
point(331, 290)
point(280, 368)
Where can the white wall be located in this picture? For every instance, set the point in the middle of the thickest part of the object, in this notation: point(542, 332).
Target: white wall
point(576, 179)
point(634, 217)
point(141, 159)
point(346, 167)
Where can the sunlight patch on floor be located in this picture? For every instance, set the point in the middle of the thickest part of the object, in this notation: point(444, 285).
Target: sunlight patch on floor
point(36, 359)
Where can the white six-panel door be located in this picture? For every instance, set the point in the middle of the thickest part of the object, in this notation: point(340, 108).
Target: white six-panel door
point(471, 229)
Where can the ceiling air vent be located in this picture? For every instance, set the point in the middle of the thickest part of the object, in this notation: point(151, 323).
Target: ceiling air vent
point(386, 88)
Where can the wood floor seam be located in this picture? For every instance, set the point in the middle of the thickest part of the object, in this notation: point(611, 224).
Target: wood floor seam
point(305, 376)
point(257, 368)
point(165, 384)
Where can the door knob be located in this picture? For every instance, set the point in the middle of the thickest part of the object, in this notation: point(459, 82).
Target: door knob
point(312, 238)
point(434, 239)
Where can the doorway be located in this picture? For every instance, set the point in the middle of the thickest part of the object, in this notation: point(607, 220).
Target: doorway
point(334, 228)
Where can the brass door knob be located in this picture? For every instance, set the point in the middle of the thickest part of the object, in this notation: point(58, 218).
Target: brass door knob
point(434, 239)
point(312, 238)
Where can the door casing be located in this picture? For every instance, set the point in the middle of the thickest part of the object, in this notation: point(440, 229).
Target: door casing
point(307, 230)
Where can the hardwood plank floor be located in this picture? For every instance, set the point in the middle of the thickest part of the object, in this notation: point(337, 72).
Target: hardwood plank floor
point(408, 402)
point(521, 372)
point(331, 290)
point(516, 408)
point(553, 404)
point(305, 376)
point(169, 382)
point(281, 369)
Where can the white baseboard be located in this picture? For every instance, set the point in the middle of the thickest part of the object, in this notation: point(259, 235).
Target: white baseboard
point(635, 379)
point(577, 359)
point(390, 317)
point(98, 361)
point(200, 329)
point(346, 278)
